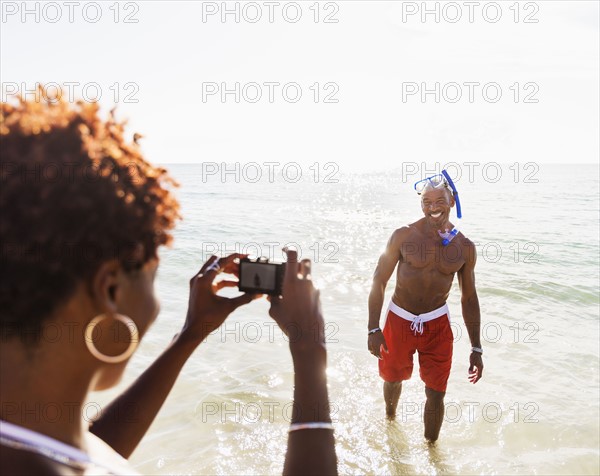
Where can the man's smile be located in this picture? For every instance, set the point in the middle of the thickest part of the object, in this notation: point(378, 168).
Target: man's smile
point(435, 215)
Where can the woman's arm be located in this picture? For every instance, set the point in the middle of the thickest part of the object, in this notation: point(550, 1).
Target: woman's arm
point(126, 420)
point(310, 451)
point(298, 313)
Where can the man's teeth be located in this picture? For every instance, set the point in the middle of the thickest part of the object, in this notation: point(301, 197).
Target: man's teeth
point(436, 215)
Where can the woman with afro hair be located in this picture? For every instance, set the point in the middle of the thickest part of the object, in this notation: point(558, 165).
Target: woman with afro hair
point(82, 215)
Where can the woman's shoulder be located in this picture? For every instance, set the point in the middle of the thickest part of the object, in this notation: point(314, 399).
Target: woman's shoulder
point(24, 451)
point(21, 461)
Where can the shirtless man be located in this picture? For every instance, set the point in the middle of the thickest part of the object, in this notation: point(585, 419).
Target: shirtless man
point(417, 318)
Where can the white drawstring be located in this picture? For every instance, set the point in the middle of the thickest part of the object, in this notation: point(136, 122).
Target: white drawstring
point(417, 325)
point(417, 321)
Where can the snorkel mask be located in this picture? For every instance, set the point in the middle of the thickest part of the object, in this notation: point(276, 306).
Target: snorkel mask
point(439, 181)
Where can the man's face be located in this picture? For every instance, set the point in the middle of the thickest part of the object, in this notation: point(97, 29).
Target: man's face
point(436, 205)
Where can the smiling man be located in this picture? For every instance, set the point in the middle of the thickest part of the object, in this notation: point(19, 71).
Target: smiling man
point(428, 256)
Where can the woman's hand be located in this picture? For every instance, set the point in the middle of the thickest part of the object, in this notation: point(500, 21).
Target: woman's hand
point(207, 310)
point(298, 310)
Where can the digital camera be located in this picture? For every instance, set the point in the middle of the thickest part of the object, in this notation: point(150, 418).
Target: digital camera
point(261, 277)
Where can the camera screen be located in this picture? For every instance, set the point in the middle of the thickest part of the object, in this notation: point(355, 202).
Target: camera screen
point(258, 276)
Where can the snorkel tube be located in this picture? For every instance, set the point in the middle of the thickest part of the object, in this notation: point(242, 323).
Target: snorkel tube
point(449, 236)
point(454, 192)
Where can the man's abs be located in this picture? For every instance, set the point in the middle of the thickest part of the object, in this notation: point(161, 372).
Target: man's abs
point(421, 290)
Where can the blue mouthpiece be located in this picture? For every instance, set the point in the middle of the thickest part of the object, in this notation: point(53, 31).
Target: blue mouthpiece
point(448, 237)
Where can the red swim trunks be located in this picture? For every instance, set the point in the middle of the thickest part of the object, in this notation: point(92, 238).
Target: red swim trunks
point(403, 338)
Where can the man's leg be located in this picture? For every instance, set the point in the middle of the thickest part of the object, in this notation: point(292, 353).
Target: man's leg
point(435, 362)
point(391, 394)
point(434, 413)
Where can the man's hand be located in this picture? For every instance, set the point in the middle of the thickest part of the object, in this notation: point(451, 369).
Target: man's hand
point(475, 367)
point(377, 345)
point(207, 310)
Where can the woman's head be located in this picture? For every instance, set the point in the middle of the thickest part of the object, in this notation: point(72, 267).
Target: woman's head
point(82, 215)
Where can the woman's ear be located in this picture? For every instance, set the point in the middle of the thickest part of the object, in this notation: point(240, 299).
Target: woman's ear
point(105, 286)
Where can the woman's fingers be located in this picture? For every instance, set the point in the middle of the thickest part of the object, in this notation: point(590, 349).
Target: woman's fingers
point(211, 262)
point(291, 267)
point(224, 284)
point(228, 264)
point(275, 304)
point(215, 265)
point(241, 300)
point(305, 268)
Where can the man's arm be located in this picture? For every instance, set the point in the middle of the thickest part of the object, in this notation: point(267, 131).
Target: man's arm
point(385, 267)
point(470, 308)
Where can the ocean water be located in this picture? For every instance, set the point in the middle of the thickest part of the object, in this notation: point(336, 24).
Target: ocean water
point(535, 411)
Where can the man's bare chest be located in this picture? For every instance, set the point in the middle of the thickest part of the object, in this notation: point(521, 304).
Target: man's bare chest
point(429, 255)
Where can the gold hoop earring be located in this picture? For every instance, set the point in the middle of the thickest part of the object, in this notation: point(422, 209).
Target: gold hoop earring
point(110, 359)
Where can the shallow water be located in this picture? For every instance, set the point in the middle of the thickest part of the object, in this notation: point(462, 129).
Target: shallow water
point(534, 412)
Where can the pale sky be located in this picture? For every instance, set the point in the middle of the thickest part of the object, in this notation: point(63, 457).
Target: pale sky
point(369, 58)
